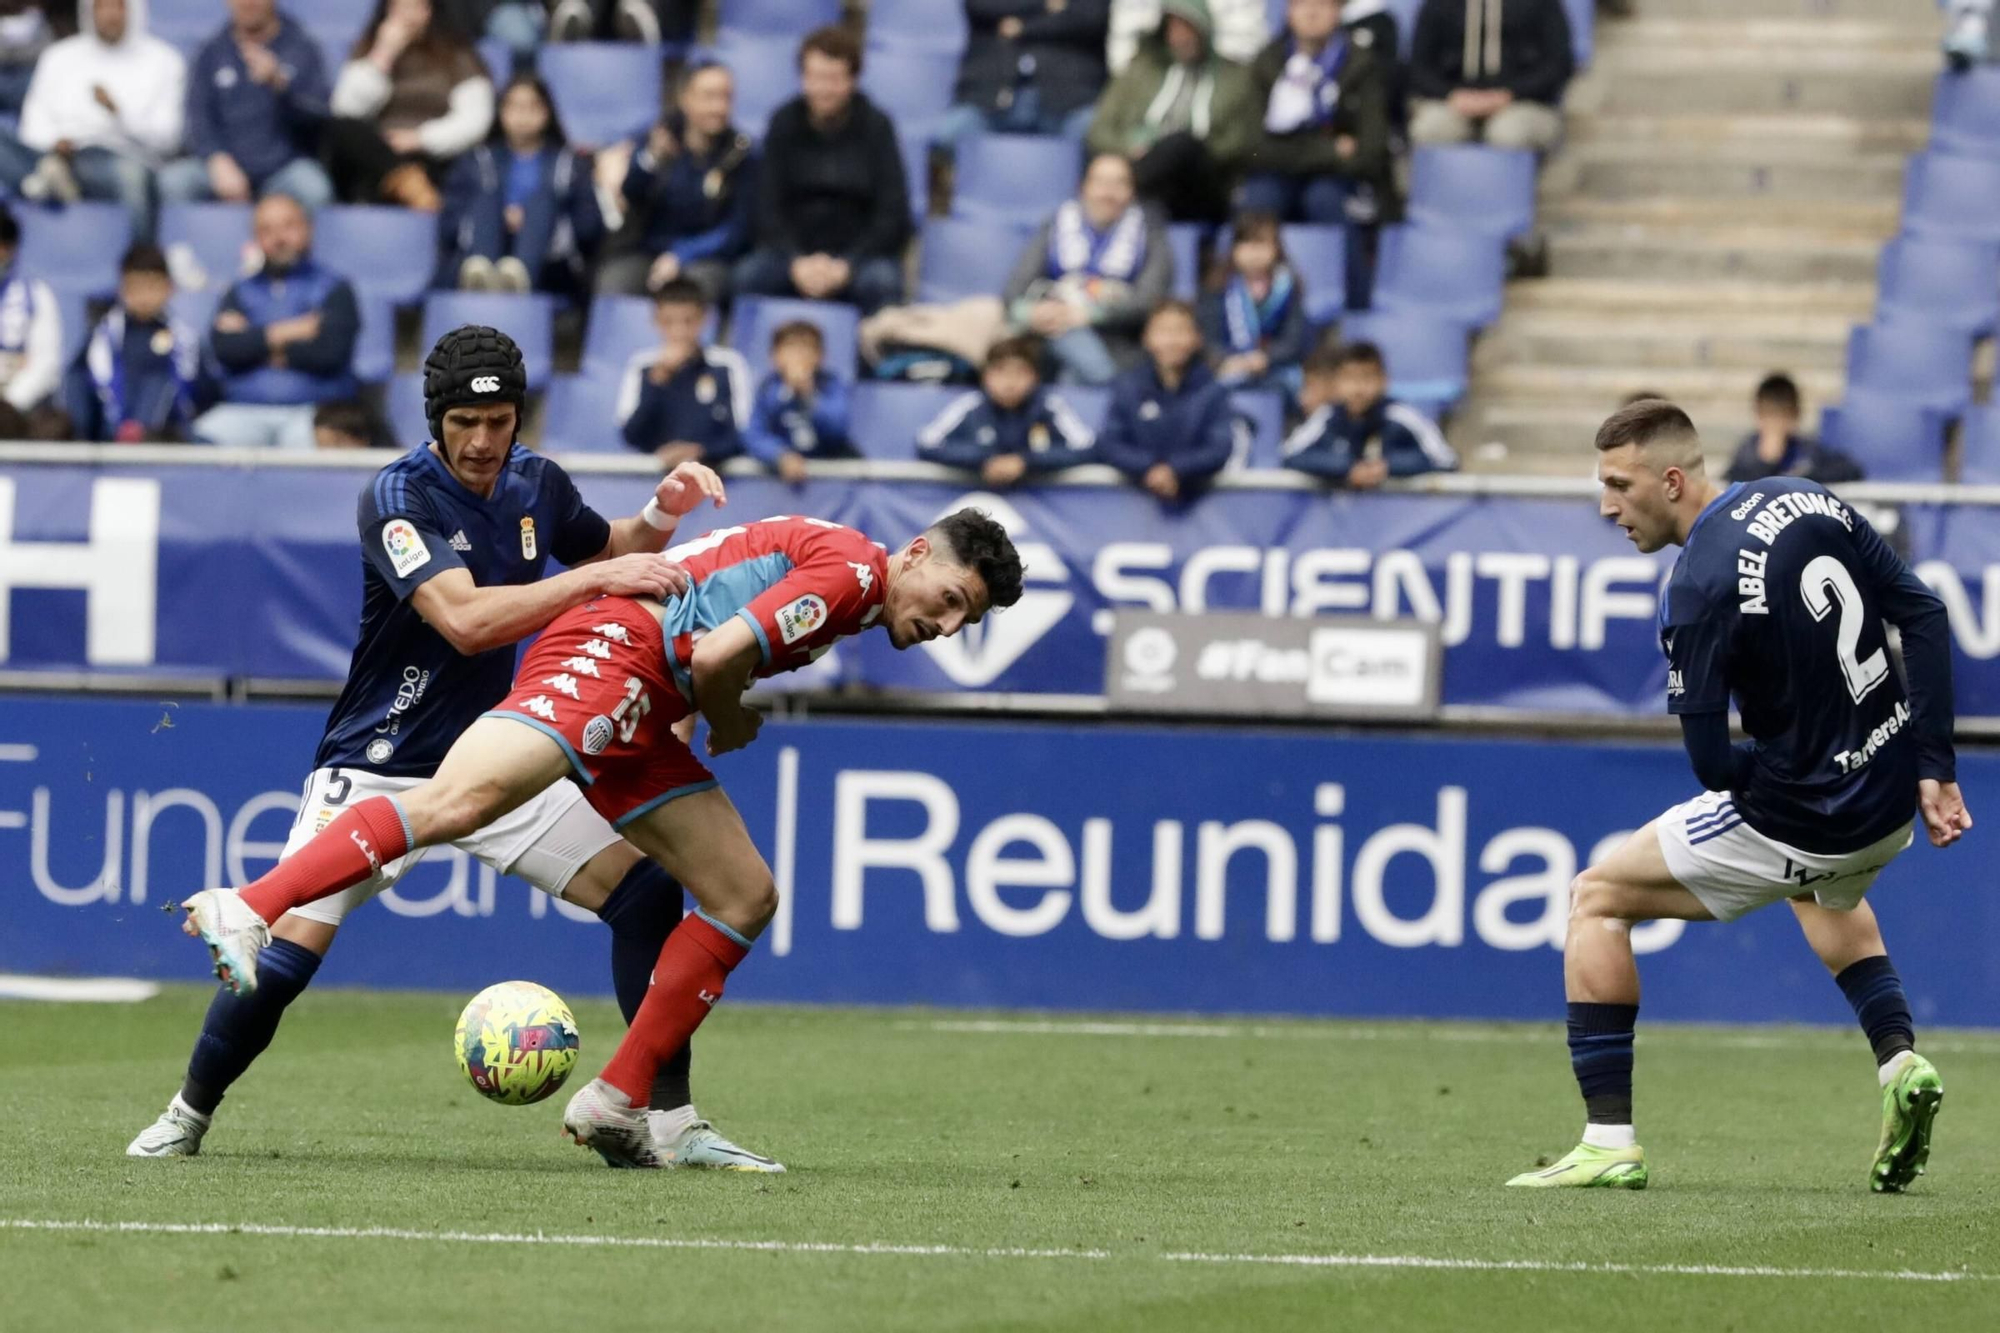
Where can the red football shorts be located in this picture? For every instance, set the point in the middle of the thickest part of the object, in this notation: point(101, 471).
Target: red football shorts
point(597, 682)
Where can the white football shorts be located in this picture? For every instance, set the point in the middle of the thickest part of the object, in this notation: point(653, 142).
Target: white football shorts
point(546, 841)
point(1734, 869)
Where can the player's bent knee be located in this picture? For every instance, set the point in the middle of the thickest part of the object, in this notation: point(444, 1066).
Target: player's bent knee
point(1593, 896)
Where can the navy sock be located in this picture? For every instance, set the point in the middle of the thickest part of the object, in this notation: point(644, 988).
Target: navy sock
point(642, 911)
point(1600, 1051)
point(1876, 993)
point(239, 1027)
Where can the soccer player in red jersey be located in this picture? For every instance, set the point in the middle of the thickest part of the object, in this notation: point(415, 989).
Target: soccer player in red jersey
point(607, 697)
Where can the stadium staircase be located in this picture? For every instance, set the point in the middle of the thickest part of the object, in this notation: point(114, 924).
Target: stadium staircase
point(1730, 171)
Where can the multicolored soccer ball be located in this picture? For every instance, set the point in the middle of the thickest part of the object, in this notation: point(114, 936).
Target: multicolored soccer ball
point(517, 1042)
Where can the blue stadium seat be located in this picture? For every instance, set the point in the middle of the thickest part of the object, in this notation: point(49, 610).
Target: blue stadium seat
point(967, 257)
point(1426, 357)
point(1441, 271)
point(348, 16)
point(375, 345)
point(787, 19)
point(334, 50)
point(621, 327)
point(1965, 112)
point(215, 234)
point(604, 91)
point(1474, 188)
point(196, 308)
point(902, 24)
point(1091, 402)
point(912, 85)
point(385, 252)
point(1953, 282)
point(1979, 446)
point(1945, 194)
point(1893, 438)
point(74, 307)
point(917, 175)
point(1017, 176)
point(1582, 16)
point(885, 418)
point(497, 56)
point(1263, 411)
point(185, 24)
point(1914, 360)
point(1184, 239)
point(756, 316)
point(529, 319)
point(579, 416)
point(403, 404)
point(767, 76)
point(74, 248)
point(1319, 256)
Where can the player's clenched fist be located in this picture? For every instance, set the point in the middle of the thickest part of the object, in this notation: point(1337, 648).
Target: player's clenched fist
point(686, 487)
point(721, 740)
point(1944, 812)
point(642, 574)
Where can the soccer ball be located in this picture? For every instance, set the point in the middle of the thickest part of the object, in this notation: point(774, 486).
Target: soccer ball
point(517, 1042)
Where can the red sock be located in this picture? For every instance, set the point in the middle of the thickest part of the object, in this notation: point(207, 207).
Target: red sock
point(359, 842)
point(687, 982)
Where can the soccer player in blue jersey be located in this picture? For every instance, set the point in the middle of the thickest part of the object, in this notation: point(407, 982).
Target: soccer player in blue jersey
point(1777, 600)
point(454, 537)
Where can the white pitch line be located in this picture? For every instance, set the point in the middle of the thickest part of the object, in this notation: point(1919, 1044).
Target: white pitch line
point(1407, 1261)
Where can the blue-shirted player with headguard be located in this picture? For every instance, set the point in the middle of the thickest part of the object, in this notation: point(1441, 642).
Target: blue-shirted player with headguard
point(454, 538)
point(1778, 601)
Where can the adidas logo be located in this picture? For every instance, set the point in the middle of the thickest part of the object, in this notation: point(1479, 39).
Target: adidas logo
point(459, 542)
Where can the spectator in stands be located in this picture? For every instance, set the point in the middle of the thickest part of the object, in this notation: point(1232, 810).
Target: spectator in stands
point(833, 208)
point(256, 102)
point(1325, 95)
point(31, 334)
point(1490, 69)
point(348, 424)
point(1779, 448)
point(647, 21)
point(1011, 425)
point(1170, 427)
point(24, 33)
point(1030, 67)
point(520, 211)
point(681, 400)
point(138, 378)
point(1967, 38)
point(1186, 117)
point(102, 111)
point(283, 338)
point(1253, 318)
point(411, 97)
point(800, 414)
point(689, 192)
point(1091, 274)
point(1241, 29)
point(1354, 434)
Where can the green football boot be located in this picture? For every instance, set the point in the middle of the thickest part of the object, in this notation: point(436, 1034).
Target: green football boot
point(1909, 1106)
point(1591, 1168)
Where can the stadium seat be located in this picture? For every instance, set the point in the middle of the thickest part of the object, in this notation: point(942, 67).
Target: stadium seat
point(1893, 438)
point(767, 76)
point(1582, 16)
point(1426, 357)
point(74, 307)
point(1979, 446)
point(885, 418)
point(348, 16)
point(1263, 411)
point(185, 24)
point(1952, 282)
point(403, 405)
point(787, 19)
point(334, 50)
point(1319, 256)
point(1913, 360)
point(756, 316)
point(604, 91)
point(1474, 188)
point(622, 326)
point(196, 308)
point(967, 257)
point(1444, 272)
point(902, 24)
point(214, 235)
point(1184, 239)
point(498, 57)
point(917, 175)
point(1091, 402)
point(75, 248)
point(1014, 176)
point(389, 253)
point(1945, 194)
point(579, 416)
point(375, 345)
point(912, 85)
point(1965, 112)
point(527, 318)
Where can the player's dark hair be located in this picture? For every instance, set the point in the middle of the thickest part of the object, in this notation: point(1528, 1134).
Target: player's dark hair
point(972, 539)
point(798, 330)
point(680, 291)
point(1643, 422)
point(10, 229)
point(835, 43)
point(144, 257)
point(1779, 392)
point(473, 365)
point(1024, 348)
point(553, 134)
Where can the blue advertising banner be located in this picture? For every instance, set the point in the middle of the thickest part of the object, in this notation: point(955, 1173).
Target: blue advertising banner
point(1308, 872)
point(254, 572)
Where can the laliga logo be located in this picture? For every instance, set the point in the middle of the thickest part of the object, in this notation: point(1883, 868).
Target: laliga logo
point(980, 653)
point(486, 384)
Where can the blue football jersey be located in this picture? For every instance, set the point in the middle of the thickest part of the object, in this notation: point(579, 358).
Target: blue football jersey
point(409, 693)
point(1778, 600)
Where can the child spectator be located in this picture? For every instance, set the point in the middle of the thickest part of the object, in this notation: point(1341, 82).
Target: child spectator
point(1171, 427)
point(681, 400)
point(1778, 448)
point(348, 425)
point(1354, 434)
point(1011, 425)
point(1254, 320)
point(137, 378)
point(520, 211)
point(801, 408)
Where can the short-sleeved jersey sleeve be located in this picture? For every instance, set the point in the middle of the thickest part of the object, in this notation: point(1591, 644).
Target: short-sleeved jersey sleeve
point(831, 596)
point(1696, 636)
point(581, 532)
point(400, 537)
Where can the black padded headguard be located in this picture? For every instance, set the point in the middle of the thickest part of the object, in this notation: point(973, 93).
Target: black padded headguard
point(473, 364)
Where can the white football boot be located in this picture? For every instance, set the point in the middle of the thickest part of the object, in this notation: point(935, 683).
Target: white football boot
point(602, 1118)
point(177, 1133)
point(683, 1141)
point(233, 933)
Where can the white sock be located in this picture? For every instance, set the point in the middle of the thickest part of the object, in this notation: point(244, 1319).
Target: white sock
point(670, 1124)
point(1894, 1066)
point(188, 1111)
point(1610, 1136)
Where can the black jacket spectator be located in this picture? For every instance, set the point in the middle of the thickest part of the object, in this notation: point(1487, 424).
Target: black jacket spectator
point(1804, 456)
point(1534, 62)
point(1057, 51)
point(838, 191)
point(1360, 111)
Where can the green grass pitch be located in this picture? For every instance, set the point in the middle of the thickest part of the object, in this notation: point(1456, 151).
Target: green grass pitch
point(950, 1173)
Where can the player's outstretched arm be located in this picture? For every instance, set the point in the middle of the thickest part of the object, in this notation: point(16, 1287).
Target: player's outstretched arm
point(723, 661)
point(679, 493)
point(473, 619)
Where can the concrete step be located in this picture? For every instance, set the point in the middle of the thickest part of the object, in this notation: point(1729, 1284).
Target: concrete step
point(1918, 15)
point(1556, 439)
point(1717, 300)
point(1751, 344)
point(1819, 133)
point(1586, 386)
point(1639, 40)
point(1763, 254)
point(1762, 81)
point(1875, 217)
point(1611, 172)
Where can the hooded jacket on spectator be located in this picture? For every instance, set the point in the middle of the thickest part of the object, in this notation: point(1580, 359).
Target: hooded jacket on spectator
point(135, 378)
point(1059, 51)
point(1241, 29)
point(705, 402)
point(1140, 105)
point(146, 78)
point(1345, 92)
point(973, 428)
point(31, 339)
point(1454, 48)
point(837, 191)
point(1331, 441)
point(698, 206)
point(316, 370)
point(1191, 429)
point(263, 129)
point(781, 424)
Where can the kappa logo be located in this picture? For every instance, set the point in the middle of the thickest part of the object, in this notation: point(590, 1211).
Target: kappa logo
point(863, 575)
point(979, 654)
point(597, 648)
point(582, 666)
point(459, 541)
point(615, 633)
point(563, 683)
point(542, 707)
point(486, 384)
